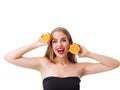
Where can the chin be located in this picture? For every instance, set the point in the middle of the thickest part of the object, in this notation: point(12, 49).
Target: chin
point(61, 56)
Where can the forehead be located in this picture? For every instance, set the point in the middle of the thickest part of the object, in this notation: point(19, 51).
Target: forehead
point(59, 34)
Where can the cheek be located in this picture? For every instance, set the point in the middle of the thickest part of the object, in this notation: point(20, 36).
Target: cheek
point(67, 45)
point(53, 46)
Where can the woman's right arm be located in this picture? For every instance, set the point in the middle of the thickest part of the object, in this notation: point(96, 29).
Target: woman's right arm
point(17, 56)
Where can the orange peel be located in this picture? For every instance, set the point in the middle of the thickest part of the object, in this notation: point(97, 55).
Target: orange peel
point(74, 48)
point(46, 37)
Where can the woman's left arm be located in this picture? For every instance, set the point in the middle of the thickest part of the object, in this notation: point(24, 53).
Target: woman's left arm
point(105, 63)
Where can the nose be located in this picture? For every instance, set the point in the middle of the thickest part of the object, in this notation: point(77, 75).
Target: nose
point(59, 44)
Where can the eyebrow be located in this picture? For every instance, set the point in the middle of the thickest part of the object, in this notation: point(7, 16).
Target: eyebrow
point(61, 38)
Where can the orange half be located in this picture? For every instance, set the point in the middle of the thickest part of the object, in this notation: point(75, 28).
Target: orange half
point(74, 48)
point(46, 38)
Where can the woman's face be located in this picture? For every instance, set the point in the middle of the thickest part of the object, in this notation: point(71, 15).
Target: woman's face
point(60, 44)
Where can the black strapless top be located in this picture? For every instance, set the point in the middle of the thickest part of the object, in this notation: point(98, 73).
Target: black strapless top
point(59, 83)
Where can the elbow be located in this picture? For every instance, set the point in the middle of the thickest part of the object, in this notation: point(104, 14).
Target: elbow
point(8, 58)
point(11, 58)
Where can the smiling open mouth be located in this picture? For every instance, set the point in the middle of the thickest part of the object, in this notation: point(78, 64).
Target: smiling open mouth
point(60, 51)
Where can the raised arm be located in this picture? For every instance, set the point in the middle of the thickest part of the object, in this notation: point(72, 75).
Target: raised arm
point(17, 56)
point(105, 63)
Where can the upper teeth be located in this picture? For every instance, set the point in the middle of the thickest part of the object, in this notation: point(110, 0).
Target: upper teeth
point(59, 49)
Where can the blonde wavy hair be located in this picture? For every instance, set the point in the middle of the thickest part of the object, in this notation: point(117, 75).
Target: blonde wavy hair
point(50, 53)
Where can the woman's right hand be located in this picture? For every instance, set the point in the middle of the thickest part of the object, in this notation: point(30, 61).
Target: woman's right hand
point(39, 42)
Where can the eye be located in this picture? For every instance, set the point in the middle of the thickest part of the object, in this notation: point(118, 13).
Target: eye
point(64, 40)
point(54, 41)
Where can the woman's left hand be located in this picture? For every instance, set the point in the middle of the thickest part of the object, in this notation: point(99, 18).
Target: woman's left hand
point(83, 51)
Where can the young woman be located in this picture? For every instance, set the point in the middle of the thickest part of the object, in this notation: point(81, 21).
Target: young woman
point(59, 68)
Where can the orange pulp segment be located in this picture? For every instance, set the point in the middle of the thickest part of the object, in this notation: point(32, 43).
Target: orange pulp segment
point(74, 48)
point(46, 37)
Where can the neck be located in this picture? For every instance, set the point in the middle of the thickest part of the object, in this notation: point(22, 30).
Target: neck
point(62, 61)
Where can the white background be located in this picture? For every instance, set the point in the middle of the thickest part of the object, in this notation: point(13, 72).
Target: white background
point(92, 23)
